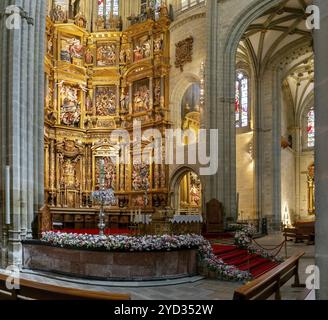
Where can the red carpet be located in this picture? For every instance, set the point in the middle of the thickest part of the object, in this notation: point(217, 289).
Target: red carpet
point(244, 261)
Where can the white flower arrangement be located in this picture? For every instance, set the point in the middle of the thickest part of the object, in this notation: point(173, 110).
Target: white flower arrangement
point(243, 239)
point(122, 243)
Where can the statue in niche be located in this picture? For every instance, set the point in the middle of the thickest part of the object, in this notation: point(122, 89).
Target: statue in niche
point(69, 174)
point(141, 96)
point(163, 10)
point(88, 57)
point(125, 101)
point(147, 49)
point(49, 45)
point(125, 55)
point(88, 104)
point(80, 20)
point(195, 190)
point(158, 44)
point(138, 54)
point(58, 14)
point(128, 55)
point(71, 107)
point(122, 56)
point(194, 196)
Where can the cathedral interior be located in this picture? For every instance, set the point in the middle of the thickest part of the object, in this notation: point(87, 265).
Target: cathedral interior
point(106, 68)
point(85, 74)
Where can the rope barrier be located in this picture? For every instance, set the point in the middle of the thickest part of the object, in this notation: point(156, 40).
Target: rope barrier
point(280, 246)
point(273, 249)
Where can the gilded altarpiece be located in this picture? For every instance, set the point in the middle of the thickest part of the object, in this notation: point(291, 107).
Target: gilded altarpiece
point(96, 83)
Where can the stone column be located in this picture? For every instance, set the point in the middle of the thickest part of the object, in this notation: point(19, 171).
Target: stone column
point(220, 115)
point(21, 110)
point(321, 152)
point(4, 134)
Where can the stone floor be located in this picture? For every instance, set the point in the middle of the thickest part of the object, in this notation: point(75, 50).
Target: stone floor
point(190, 289)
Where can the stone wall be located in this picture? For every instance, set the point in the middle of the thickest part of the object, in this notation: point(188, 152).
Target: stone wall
point(127, 266)
point(245, 177)
point(288, 185)
point(191, 23)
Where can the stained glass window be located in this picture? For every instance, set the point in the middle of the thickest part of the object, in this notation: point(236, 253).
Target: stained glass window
point(242, 101)
point(101, 7)
point(112, 6)
point(311, 129)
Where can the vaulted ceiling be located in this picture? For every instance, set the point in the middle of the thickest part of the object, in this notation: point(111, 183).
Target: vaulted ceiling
point(301, 84)
point(275, 32)
point(281, 26)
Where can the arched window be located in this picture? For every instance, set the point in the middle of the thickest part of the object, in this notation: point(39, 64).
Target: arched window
point(190, 110)
point(311, 129)
point(108, 7)
point(242, 101)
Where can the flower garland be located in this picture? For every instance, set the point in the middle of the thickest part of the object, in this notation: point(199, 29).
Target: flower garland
point(244, 240)
point(149, 244)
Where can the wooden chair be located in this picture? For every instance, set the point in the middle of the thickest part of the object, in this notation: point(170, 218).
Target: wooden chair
point(270, 283)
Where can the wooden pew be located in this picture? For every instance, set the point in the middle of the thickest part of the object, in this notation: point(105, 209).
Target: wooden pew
point(302, 231)
point(31, 290)
point(270, 283)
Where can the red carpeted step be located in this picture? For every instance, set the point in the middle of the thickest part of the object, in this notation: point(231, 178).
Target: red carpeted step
point(239, 258)
point(225, 235)
point(220, 249)
point(254, 263)
point(240, 261)
point(257, 272)
point(233, 254)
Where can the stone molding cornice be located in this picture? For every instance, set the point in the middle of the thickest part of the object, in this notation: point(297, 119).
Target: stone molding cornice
point(184, 21)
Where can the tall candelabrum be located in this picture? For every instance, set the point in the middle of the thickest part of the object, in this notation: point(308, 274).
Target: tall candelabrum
point(103, 197)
